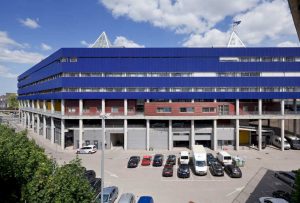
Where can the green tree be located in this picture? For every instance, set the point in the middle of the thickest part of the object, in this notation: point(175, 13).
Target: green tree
point(296, 193)
point(13, 101)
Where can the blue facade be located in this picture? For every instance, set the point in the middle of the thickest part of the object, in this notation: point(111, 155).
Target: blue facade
point(146, 60)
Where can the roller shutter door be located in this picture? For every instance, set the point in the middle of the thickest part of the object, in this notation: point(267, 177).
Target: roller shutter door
point(136, 139)
point(159, 139)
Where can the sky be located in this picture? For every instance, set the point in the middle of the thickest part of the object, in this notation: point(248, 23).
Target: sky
point(31, 30)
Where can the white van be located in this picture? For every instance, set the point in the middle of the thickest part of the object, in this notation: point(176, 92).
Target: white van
point(276, 141)
point(184, 157)
point(224, 158)
point(199, 159)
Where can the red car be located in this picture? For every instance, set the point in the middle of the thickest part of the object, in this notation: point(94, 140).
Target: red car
point(168, 170)
point(146, 160)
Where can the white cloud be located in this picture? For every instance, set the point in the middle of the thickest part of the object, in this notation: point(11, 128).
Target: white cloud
point(182, 16)
point(30, 23)
point(4, 72)
point(45, 47)
point(121, 41)
point(268, 21)
point(211, 38)
point(84, 43)
point(5, 41)
point(288, 44)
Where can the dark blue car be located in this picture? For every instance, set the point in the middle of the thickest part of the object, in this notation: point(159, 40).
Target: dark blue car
point(146, 199)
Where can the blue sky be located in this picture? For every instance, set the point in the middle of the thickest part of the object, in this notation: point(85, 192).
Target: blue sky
point(31, 30)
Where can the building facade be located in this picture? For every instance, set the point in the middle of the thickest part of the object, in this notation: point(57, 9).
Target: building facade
point(161, 98)
point(295, 10)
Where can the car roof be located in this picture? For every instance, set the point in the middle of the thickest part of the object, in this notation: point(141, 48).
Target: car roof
point(184, 153)
point(125, 197)
point(91, 145)
point(223, 153)
point(108, 190)
point(145, 199)
point(147, 156)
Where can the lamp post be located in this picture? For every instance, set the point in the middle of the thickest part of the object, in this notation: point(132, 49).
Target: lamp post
point(103, 116)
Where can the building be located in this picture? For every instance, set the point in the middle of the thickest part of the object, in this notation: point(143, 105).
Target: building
point(295, 10)
point(161, 98)
point(4, 100)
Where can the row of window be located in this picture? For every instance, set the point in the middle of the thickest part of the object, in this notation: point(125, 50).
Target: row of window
point(192, 109)
point(259, 59)
point(175, 89)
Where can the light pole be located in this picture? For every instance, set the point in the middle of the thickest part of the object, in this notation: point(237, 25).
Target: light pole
point(103, 116)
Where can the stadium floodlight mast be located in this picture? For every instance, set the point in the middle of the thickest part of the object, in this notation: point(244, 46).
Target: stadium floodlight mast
point(103, 116)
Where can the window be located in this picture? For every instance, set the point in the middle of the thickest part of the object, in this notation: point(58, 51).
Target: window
point(63, 60)
point(73, 59)
point(208, 109)
point(71, 110)
point(114, 109)
point(164, 110)
point(187, 109)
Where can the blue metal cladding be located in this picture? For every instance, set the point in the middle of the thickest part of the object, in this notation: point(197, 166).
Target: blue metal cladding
point(161, 60)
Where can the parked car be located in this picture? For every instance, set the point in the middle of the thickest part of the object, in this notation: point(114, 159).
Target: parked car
point(146, 199)
point(183, 171)
point(272, 200)
point(89, 149)
point(96, 185)
point(233, 171)
point(110, 194)
point(127, 198)
point(90, 175)
point(146, 160)
point(133, 162)
point(158, 160)
point(282, 194)
point(210, 158)
point(216, 169)
point(293, 141)
point(168, 170)
point(224, 158)
point(184, 157)
point(287, 177)
point(171, 160)
point(276, 141)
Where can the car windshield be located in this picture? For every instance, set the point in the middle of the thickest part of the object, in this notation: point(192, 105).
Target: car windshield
point(227, 157)
point(286, 142)
point(295, 141)
point(147, 159)
point(105, 197)
point(86, 148)
point(200, 163)
point(184, 157)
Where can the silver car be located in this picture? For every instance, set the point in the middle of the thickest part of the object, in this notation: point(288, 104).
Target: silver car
point(287, 177)
point(110, 194)
point(127, 198)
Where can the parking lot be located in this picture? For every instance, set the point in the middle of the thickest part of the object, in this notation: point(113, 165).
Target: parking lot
point(257, 180)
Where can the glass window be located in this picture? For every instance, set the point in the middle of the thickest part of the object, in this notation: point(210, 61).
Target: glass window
point(164, 110)
point(187, 109)
point(208, 109)
point(114, 109)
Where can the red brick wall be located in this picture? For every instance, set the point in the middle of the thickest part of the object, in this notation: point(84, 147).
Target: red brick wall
point(74, 104)
point(114, 103)
point(91, 107)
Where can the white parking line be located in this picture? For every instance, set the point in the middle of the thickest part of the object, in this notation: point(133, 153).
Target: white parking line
point(111, 174)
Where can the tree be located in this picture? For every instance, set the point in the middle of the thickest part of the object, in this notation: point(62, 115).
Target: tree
point(13, 101)
point(296, 193)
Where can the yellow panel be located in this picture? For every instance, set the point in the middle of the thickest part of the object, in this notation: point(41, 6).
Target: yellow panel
point(244, 137)
point(57, 106)
point(48, 106)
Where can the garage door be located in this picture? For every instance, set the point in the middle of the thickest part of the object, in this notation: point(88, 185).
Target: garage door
point(244, 137)
point(136, 139)
point(158, 139)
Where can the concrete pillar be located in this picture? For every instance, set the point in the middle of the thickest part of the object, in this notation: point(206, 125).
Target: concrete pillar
point(147, 134)
point(52, 106)
point(282, 107)
point(237, 107)
point(62, 131)
point(259, 134)
point(260, 107)
point(103, 106)
point(282, 134)
point(80, 107)
point(170, 136)
point(52, 130)
point(44, 106)
point(81, 133)
point(38, 105)
point(32, 104)
point(62, 107)
point(170, 100)
point(215, 100)
point(28, 120)
point(125, 107)
point(237, 134)
point(32, 121)
point(215, 136)
point(44, 126)
point(125, 134)
point(38, 124)
point(147, 101)
point(192, 141)
point(193, 101)
point(295, 120)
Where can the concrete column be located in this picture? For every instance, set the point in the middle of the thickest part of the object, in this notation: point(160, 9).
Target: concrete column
point(215, 136)
point(192, 141)
point(170, 100)
point(170, 136)
point(32, 104)
point(28, 120)
point(32, 121)
point(44, 106)
point(193, 101)
point(103, 106)
point(62, 131)
point(259, 134)
point(44, 126)
point(81, 132)
point(237, 134)
point(125, 107)
point(237, 107)
point(215, 100)
point(38, 105)
point(52, 130)
point(62, 107)
point(147, 101)
point(282, 107)
point(260, 107)
point(80, 107)
point(125, 134)
point(38, 124)
point(282, 134)
point(147, 134)
point(295, 120)
point(52, 106)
